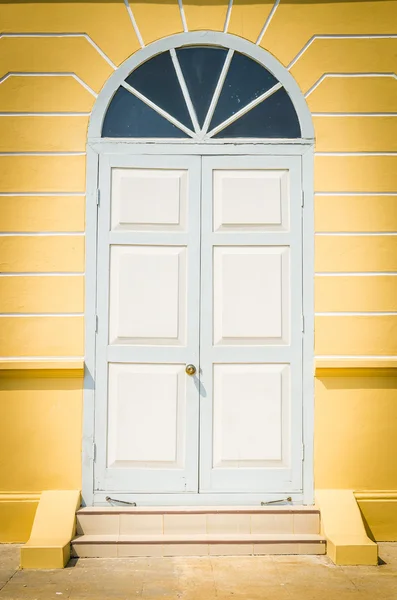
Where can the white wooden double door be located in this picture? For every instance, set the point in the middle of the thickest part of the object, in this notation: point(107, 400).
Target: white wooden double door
point(200, 263)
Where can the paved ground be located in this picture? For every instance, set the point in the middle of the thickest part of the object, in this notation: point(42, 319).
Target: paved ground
point(207, 578)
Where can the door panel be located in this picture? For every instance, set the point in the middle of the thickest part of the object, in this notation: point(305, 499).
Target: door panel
point(248, 200)
point(251, 295)
point(148, 292)
point(251, 315)
point(251, 415)
point(147, 413)
point(149, 199)
point(147, 408)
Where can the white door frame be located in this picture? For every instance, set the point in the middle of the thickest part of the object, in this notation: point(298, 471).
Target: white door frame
point(303, 147)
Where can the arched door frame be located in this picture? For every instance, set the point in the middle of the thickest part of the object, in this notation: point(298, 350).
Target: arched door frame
point(96, 145)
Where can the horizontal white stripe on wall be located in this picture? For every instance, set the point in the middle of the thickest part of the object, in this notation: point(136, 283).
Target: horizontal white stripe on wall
point(354, 233)
point(351, 274)
point(355, 153)
point(356, 314)
point(39, 358)
point(346, 36)
point(47, 74)
point(42, 234)
point(44, 274)
point(355, 193)
point(63, 35)
point(39, 194)
point(355, 356)
point(45, 114)
point(353, 114)
point(42, 153)
point(36, 314)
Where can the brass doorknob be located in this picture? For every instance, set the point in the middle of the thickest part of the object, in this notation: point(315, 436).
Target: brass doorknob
point(190, 369)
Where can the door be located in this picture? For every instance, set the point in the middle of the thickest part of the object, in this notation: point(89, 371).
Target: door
point(199, 262)
point(147, 408)
point(251, 325)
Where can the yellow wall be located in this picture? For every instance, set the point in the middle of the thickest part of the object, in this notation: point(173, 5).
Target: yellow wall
point(326, 45)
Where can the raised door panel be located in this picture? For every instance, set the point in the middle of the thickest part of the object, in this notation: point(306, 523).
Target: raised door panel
point(148, 295)
point(251, 200)
point(147, 413)
point(149, 199)
point(251, 295)
point(251, 415)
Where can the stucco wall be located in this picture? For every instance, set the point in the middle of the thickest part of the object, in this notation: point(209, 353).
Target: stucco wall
point(342, 55)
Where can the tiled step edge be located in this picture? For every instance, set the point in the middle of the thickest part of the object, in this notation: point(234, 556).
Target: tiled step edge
point(236, 538)
point(197, 510)
point(114, 546)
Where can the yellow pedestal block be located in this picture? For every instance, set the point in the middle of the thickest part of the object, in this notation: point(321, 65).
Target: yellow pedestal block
point(54, 526)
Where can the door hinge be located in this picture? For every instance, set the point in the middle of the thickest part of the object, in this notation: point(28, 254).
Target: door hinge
point(96, 323)
point(98, 197)
point(303, 324)
point(302, 198)
point(94, 451)
point(303, 452)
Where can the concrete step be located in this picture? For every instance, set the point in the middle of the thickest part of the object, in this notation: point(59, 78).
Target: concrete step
point(113, 545)
point(198, 520)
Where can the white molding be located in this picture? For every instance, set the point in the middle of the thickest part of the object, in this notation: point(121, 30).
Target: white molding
point(356, 153)
point(42, 153)
point(183, 16)
point(228, 15)
point(134, 23)
point(224, 40)
point(40, 194)
point(356, 274)
point(356, 356)
point(49, 74)
point(355, 193)
point(202, 147)
point(90, 309)
point(307, 168)
point(185, 91)
point(245, 109)
point(159, 110)
point(348, 76)
point(35, 314)
point(63, 35)
point(267, 22)
point(43, 274)
point(354, 233)
point(45, 114)
point(217, 92)
point(331, 36)
point(203, 499)
point(42, 233)
point(357, 314)
point(53, 359)
point(354, 114)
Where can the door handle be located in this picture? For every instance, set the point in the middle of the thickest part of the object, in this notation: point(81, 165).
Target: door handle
point(190, 370)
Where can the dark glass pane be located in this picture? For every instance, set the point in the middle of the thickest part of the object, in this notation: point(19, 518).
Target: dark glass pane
point(157, 80)
point(275, 117)
point(129, 117)
point(201, 67)
point(245, 81)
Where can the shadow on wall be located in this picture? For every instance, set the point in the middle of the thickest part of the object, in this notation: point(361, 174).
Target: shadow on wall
point(201, 3)
point(355, 433)
point(40, 431)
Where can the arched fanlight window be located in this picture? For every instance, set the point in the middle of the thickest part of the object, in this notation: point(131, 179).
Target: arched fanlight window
point(201, 92)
